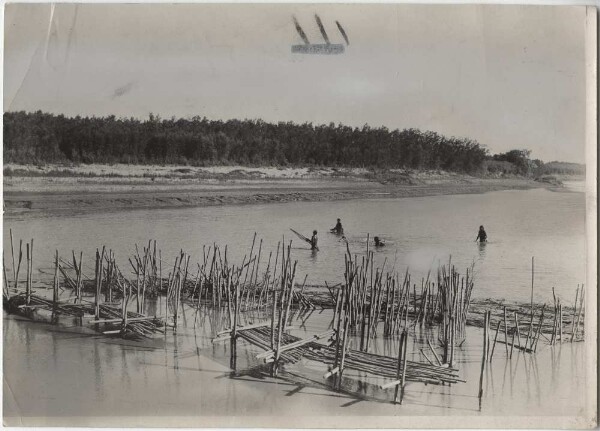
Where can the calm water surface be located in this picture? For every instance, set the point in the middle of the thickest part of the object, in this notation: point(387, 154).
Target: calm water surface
point(66, 374)
point(419, 232)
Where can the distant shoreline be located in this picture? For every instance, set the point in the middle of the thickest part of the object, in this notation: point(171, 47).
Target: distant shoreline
point(57, 189)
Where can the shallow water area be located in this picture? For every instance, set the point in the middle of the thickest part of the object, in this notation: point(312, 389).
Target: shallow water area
point(420, 234)
point(66, 374)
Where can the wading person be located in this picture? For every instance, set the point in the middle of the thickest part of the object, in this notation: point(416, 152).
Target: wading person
point(481, 236)
point(378, 242)
point(313, 241)
point(338, 229)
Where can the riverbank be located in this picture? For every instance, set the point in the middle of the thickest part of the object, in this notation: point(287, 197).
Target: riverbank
point(52, 188)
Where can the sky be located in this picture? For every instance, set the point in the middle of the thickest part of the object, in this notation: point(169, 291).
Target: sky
point(507, 76)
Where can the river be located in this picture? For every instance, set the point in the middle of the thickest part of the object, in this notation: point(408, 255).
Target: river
point(70, 375)
point(420, 233)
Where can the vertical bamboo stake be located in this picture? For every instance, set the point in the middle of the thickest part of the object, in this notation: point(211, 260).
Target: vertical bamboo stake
point(399, 368)
point(273, 309)
point(5, 287)
point(535, 338)
point(341, 300)
point(485, 337)
point(495, 338)
point(234, 328)
point(532, 276)
point(137, 286)
point(404, 362)
point(488, 335)
point(505, 331)
point(228, 295)
point(344, 347)
point(79, 277)
point(560, 323)
point(124, 309)
point(512, 345)
point(581, 303)
point(12, 249)
point(518, 330)
point(572, 319)
point(452, 335)
point(554, 324)
point(531, 320)
point(19, 264)
point(281, 320)
point(55, 288)
point(31, 267)
point(28, 285)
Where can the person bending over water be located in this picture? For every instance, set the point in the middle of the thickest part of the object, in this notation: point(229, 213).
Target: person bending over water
point(481, 236)
point(378, 242)
point(338, 229)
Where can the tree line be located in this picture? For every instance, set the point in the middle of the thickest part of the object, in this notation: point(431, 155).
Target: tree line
point(47, 138)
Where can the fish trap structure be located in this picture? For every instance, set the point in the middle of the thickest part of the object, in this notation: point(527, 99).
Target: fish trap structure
point(281, 348)
point(107, 318)
point(557, 324)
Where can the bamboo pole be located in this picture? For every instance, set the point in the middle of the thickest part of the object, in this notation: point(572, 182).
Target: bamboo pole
point(5, 287)
point(505, 331)
point(539, 330)
point(495, 338)
point(560, 323)
point(273, 310)
point(581, 303)
point(12, 249)
point(399, 368)
point(518, 330)
point(483, 356)
point(512, 344)
point(28, 285)
point(437, 358)
point(55, 288)
point(404, 362)
point(19, 264)
point(572, 320)
point(531, 319)
point(344, 348)
point(234, 333)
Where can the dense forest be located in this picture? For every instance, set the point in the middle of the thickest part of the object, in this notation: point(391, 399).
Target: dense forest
point(42, 138)
point(34, 138)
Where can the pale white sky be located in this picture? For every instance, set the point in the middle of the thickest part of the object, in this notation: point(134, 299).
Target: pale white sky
point(507, 76)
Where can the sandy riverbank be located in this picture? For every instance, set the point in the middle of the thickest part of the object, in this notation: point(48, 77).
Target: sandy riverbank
point(52, 188)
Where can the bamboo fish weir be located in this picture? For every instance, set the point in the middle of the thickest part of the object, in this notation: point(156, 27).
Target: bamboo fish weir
point(281, 348)
point(146, 295)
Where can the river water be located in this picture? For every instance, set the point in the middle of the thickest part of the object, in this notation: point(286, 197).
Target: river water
point(70, 375)
point(420, 233)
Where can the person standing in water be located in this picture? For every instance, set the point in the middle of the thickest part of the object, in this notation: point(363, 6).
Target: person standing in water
point(378, 242)
point(481, 236)
point(313, 241)
point(338, 229)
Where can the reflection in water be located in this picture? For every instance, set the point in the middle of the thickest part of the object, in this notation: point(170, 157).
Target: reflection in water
point(313, 256)
point(185, 373)
point(482, 248)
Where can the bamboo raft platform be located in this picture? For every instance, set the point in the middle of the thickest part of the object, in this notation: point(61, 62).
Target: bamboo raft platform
point(109, 320)
point(294, 349)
